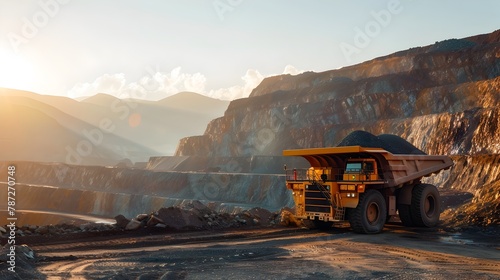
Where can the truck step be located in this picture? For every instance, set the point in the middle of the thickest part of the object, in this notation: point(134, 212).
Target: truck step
point(339, 214)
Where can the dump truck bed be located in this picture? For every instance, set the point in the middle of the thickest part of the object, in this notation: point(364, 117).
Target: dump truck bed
point(397, 169)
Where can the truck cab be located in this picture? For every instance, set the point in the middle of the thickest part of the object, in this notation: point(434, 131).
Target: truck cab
point(360, 170)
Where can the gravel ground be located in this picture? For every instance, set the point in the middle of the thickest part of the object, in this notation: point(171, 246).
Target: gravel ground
point(273, 253)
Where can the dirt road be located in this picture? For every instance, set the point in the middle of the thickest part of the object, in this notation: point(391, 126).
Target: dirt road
point(275, 253)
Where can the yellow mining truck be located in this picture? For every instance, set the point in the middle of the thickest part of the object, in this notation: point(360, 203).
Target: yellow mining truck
point(365, 186)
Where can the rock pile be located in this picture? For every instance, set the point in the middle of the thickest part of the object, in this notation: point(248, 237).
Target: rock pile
point(191, 216)
point(24, 268)
point(197, 216)
point(389, 142)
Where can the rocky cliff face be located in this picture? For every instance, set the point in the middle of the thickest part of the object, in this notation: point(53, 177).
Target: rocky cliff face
point(448, 91)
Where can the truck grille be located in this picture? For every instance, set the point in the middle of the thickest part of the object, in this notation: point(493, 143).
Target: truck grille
point(316, 200)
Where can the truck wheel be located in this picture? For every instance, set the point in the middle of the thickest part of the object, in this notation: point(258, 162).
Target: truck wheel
point(405, 215)
point(425, 205)
point(370, 214)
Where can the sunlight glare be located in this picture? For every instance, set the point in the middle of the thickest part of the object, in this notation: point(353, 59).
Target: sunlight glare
point(15, 71)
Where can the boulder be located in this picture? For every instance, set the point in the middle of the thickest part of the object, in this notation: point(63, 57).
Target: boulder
point(177, 218)
point(141, 217)
point(133, 225)
point(121, 221)
point(264, 216)
point(153, 221)
point(42, 230)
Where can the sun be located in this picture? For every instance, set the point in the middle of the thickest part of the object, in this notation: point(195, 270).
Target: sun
point(15, 71)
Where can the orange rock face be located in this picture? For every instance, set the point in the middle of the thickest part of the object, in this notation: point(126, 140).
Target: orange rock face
point(443, 98)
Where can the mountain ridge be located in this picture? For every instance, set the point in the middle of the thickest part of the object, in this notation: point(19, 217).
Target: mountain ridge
point(384, 65)
point(140, 129)
point(318, 109)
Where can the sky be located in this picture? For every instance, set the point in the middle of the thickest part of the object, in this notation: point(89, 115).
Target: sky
point(151, 49)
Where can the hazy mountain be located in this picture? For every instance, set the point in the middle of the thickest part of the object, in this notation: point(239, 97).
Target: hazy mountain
point(102, 128)
point(160, 124)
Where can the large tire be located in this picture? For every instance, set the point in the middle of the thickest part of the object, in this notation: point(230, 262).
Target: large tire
point(370, 214)
point(405, 215)
point(425, 205)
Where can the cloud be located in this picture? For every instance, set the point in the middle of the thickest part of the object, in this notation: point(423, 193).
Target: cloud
point(111, 84)
point(158, 85)
point(175, 82)
point(251, 79)
point(155, 86)
point(290, 69)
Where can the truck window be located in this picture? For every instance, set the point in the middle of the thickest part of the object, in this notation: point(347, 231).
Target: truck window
point(353, 167)
point(368, 167)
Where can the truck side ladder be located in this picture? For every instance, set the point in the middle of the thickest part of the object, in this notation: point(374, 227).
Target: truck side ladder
point(339, 211)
